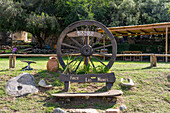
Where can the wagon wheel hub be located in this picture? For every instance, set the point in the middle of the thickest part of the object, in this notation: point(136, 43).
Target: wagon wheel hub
point(86, 50)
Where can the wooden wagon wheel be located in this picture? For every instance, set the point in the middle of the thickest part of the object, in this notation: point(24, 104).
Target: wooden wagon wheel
point(81, 38)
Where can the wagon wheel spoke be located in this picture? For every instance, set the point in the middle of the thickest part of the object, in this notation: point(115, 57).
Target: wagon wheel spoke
point(81, 37)
point(98, 60)
point(92, 62)
point(86, 61)
point(75, 41)
point(87, 28)
point(79, 64)
point(102, 47)
point(79, 33)
point(92, 39)
point(98, 40)
point(72, 54)
point(64, 44)
point(74, 59)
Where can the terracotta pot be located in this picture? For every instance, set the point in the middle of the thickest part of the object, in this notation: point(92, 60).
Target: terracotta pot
point(52, 64)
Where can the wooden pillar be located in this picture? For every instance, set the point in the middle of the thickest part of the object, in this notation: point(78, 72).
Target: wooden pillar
point(104, 47)
point(166, 44)
point(86, 42)
point(14, 60)
point(10, 62)
point(153, 61)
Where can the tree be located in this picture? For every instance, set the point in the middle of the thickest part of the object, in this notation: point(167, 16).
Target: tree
point(42, 18)
point(47, 18)
point(131, 12)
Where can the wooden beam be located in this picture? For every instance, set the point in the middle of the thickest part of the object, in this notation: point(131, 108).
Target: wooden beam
point(142, 34)
point(104, 47)
point(48, 55)
point(166, 44)
point(137, 28)
point(119, 32)
point(130, 32)
point(155, 30)
point(144, 31)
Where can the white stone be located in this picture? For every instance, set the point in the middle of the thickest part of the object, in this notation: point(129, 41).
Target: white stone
point(42, 83)
point(21, 85)
point(83, 110)
point(127, 84)
point(112, 111)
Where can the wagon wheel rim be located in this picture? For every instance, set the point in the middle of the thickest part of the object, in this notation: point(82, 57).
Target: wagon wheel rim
point(84, 49)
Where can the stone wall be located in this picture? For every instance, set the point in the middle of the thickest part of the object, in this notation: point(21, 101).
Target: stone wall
point(19, 36)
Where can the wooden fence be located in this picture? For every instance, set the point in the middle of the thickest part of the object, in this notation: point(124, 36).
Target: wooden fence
point(12, 57)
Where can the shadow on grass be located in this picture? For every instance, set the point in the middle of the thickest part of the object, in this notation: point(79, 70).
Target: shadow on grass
point(79, 102)
point(71, 103)
point(4, 70)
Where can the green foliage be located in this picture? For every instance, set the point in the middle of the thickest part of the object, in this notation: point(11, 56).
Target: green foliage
point(49, 109)
point(89, 69)
point(57, 83)
point(131, 12)
point(101, 69)
point(48, 18)
point(139, 47)
point(2, 91)
point(69, 67)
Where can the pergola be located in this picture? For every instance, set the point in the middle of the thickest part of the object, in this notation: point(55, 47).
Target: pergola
point(147, 29)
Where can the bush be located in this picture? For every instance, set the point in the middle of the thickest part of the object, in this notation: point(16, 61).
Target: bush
point(139, 47)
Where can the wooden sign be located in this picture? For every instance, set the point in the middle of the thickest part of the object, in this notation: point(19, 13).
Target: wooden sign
point(106, 77)
point(84, 33)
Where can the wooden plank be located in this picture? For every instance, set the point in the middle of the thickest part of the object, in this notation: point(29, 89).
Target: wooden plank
point(135, 28)
point(36, 55)
point(99, 54)
point(119, 55)
point(110, 93)
point(5, 55)
point(84, 33)
point(106, 77)
point(140, 34)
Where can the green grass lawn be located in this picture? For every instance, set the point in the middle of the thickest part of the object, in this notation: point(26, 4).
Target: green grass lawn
point(150, 94)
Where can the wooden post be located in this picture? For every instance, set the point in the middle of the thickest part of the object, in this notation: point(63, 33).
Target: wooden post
point(66, 86)
point(14, 60)
point(166, 44)
point(104, 47)
point(10, 62)
point(153, 61)
point(86, 42)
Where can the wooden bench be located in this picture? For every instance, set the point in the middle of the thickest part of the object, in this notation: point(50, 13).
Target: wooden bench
point(132, 58)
